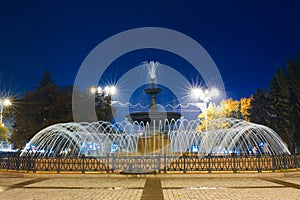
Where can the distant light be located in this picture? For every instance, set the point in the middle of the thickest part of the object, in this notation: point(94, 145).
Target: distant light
point(107, 89)
point(114, 147)
point(27, 146)
point(99, 90)
point(42, 151)
point(195, 149)
point(204, 95)
point(214, 92)
point(196, 93)
point(113, 90)
point(93, 90)
point(6, 102)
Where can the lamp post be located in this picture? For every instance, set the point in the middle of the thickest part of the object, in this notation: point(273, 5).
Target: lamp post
point(103, 98)
point(205, 97)
point(3, 103)
point(103, 93)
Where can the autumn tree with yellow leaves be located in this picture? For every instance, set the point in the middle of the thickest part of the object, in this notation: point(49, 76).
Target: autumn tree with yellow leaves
point(227, 108)
point(245, 107)
point(3, 133)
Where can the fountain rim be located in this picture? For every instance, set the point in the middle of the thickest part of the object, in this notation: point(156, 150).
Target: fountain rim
point(149, 116)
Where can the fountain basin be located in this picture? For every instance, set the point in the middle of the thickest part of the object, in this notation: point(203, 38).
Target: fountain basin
point(153, 90)
point(175, 139)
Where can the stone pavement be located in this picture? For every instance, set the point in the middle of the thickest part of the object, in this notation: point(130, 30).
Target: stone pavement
point(165, 186)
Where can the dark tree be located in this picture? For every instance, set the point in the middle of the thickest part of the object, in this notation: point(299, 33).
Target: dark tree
point(294, 111)
point(104, 109)
point(46, 105)
point(279, 115)
point(293, 76)
point(282, 104)
point(259, 107)
point(46, 79)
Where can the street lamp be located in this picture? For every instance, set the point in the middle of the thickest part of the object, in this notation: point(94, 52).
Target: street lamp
point(205, 96)
point(106, 91)
point(103, 97)
point(3, 103)
point(103, 94)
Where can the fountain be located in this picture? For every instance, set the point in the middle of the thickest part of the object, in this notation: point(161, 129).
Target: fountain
point(155, 133)
point(152, 139)
point(101, 138)
point(153, 116)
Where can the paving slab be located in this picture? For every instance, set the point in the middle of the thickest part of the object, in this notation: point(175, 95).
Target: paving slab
point(168, 187)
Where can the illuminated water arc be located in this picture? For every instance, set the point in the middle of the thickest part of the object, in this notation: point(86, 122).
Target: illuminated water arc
point(173, 138)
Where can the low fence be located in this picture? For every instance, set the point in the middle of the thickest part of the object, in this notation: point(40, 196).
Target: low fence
point(158, 163)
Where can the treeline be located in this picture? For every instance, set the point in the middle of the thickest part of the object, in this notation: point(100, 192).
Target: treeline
point(46, 105)
point(279, 107)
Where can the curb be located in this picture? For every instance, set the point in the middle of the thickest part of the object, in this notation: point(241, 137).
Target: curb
point(252, 174)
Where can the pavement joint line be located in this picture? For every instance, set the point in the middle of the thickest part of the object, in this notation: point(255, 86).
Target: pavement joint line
point(284, 183)
point(141, 188)
point(257, 187)
point(214, 188)
point(88, 188)
point(22, 184)
point(152, 189)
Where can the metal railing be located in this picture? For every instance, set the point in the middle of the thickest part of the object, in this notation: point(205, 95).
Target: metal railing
point(158, 163)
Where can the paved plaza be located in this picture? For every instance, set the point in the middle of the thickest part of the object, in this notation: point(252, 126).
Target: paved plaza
point(178, 186)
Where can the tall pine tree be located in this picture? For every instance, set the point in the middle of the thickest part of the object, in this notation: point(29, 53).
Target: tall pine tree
point(280, 107)
point(46, 105)
point(259, 110)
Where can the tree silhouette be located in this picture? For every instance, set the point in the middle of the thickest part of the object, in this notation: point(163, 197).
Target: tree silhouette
point(280, 107)
point(46, 105)
point(46, 79)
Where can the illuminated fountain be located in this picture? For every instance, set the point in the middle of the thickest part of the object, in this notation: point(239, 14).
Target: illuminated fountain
point(235, 136)
point(101, 138)
point(153, 116)
point(155, 133)
point(153, 138)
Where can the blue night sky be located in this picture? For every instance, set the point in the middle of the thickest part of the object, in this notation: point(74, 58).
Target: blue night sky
point(246, 39)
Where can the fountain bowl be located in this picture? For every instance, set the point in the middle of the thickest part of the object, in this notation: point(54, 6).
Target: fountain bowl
point(151, 116)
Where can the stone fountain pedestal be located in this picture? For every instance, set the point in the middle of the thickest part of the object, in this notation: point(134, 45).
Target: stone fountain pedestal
point(157, 144)
point(153, 140)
